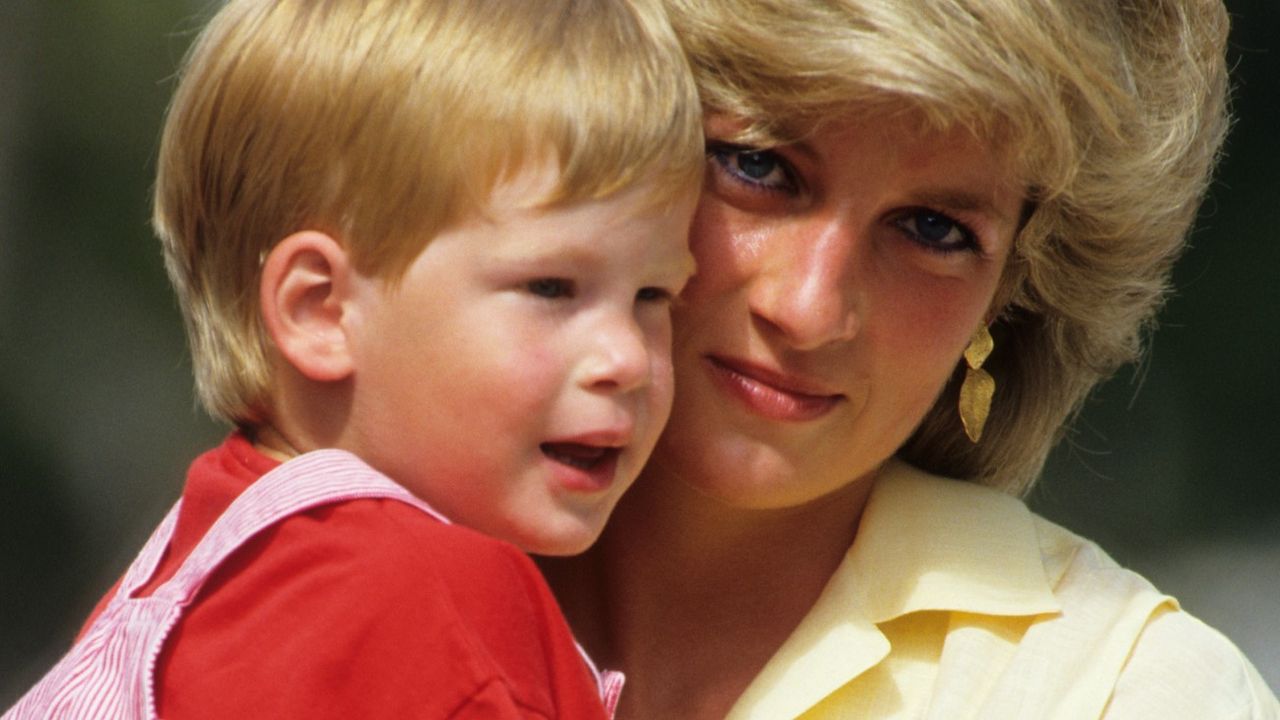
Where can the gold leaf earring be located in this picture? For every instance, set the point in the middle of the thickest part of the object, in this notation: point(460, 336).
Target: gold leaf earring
point(978, 386)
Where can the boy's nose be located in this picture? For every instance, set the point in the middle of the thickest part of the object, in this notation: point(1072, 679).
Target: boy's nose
point(805, 288)
point(618, 361)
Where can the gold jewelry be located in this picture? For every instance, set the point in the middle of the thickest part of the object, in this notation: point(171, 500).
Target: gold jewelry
point(978, 386)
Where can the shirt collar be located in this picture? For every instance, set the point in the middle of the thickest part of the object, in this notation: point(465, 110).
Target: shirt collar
point(928, 543)
point(924, 543)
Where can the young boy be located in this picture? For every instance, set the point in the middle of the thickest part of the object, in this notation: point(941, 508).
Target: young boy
point(425, 251)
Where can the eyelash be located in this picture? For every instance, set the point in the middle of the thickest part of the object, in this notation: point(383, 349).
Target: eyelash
point(551, 288)
point(653, 294)
point(561, 288)
point(720, 153)
point(967, 242)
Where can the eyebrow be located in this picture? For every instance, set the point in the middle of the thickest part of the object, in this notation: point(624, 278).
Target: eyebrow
point(963, 201)
point(954, 199)
point(577, 256)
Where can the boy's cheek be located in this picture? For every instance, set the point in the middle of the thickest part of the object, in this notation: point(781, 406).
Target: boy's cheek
point(662, 391)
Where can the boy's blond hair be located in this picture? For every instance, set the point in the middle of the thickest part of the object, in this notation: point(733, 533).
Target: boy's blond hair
point(1113, 111)
point(382, 122)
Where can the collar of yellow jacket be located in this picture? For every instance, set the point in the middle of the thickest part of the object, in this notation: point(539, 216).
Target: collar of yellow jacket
point(924, 543)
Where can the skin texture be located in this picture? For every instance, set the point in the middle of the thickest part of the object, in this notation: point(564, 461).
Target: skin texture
point(839, 280)
point(516, 377)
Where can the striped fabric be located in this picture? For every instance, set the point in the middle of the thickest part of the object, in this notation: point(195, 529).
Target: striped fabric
point(110, 672)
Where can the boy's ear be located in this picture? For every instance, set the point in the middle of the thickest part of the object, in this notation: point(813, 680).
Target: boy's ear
point(305, 280)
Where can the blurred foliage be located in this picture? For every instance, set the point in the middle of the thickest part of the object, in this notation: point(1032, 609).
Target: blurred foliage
point(97, 422)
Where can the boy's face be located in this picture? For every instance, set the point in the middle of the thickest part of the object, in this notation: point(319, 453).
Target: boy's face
point(518, 375)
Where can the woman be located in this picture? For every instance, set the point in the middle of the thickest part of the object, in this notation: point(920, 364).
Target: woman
point(906, 203)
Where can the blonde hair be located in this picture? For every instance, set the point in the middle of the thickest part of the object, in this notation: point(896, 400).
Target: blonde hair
point(1115, 113)
point(383, 122)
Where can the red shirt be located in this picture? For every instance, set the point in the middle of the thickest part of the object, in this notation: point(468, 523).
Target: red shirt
point(362, 609)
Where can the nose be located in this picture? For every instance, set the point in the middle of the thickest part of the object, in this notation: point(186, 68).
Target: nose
point(804, 289)
point(619, 358)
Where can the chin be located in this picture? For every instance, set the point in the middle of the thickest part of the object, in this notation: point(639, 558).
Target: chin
point(572, 537)
point(746, 474)
point(724, 474)
point(561, 549)
point(773, 494)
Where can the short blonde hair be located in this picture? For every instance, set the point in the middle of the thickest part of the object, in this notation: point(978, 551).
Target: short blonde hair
point(1115, 112)
point(383, 122)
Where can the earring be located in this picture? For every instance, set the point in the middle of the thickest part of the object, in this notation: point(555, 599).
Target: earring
point(978, 386)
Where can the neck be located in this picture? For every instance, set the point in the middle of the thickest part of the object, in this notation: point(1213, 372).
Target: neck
point(302, 415)
point(272, 443)
point(691, 597)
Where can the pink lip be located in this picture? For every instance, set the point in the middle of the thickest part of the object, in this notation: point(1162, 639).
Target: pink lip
point(772, 394)
point(586, 464)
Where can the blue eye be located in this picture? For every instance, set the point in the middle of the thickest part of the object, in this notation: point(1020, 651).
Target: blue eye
point(757, 165)
point(760, 169)
point(936, 231)
point(551, 288)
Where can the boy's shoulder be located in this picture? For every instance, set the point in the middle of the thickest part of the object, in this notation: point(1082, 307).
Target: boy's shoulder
point(388, 537)
point(417, 612)
point(389, 553)
point(329, 513)
point(397, 550)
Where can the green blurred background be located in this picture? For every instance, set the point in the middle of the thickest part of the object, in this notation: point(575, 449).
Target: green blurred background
point(1172, 467)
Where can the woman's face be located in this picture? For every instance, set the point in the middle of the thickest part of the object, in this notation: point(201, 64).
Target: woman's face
point(839, 280)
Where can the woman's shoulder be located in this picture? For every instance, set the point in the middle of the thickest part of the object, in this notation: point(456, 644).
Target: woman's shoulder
point(1167, 662)
point(1080, 633)
point(1181, 667)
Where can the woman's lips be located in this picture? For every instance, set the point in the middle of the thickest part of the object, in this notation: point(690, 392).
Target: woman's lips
point(770, 394)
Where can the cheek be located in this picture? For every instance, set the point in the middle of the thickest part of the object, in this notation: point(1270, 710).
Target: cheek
point(917, 349)
point(725, 248)
point(696, 324)
point(527, 372)
point(662, 387)
point(924, 332)
point(495, 359)
point(926, 318)
point(658, 339)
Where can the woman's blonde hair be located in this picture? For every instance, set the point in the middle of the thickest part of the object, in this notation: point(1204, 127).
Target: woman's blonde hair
point(1114, 112)
point(383, 122)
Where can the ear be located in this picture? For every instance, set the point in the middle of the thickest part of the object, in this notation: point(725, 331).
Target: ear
point(305, 279)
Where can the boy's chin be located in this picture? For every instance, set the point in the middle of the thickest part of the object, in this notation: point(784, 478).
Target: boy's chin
point(569, 538)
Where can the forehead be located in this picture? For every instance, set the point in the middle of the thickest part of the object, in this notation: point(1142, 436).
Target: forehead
point(525, 206)
point(913, 143)
point(539, 183)
point(935, 127)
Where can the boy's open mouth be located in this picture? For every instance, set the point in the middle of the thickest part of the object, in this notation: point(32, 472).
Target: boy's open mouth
point(583, 457)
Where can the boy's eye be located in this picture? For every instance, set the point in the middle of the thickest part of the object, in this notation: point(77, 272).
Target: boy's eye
point(936, 231)
point(551, 288)
point(652, 294)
